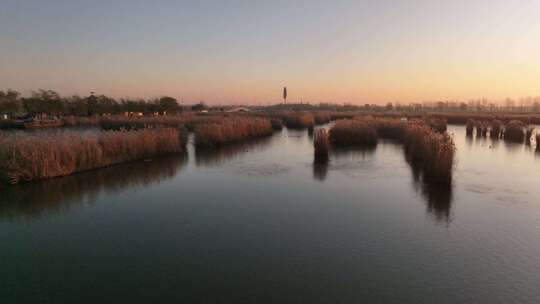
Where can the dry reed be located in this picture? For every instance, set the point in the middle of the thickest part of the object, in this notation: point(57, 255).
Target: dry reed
point(356, 132)
point(322, 146)
point(470, 127)
point(514, 131)
point(298, 120)
point(230, 130)
point(25, 157)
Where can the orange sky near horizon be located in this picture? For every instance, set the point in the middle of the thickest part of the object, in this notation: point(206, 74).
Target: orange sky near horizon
point(244, 53)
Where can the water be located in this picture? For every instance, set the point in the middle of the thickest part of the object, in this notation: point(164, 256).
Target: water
point(258, 223)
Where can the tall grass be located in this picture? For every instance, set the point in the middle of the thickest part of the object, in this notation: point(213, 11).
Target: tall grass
point(322, 146)
point(277, 123)
point(390, 128)
point(321, 117)
point(528, 135)
point(230, 130)
point(496, 129)
point(26, 157)
point(432, 152)
point(470, 127)
point(481, 129)
point(298, 120)
point(428, 151)
point(514, 131)
point(356, 132)
point(437, 124)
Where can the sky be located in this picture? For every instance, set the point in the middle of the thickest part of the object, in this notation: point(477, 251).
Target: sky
point(236, 52)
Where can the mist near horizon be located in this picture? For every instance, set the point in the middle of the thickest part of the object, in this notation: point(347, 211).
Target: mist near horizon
point(244, 52)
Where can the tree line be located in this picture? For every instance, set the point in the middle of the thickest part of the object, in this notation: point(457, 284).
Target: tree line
point(50, 102)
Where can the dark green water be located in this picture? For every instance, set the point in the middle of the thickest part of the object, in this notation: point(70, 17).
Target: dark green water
point(257, 223)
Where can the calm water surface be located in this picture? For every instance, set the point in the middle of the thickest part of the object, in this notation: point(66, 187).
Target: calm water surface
point(258, 223)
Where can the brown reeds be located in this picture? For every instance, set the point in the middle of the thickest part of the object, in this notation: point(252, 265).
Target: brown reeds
point(321, 117)
point(514, 131)
point(25, 157)
point(298, 120)
point(437, 124)
point(431, 152)
point(470, 127)
point(496, 129)
point(390, 128)
point(537, 142)
point(230, 130)
point(356, 132)
point(277, 123)
point(528, 135)
point(321, 144)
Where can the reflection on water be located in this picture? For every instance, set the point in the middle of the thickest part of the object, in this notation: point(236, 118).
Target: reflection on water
point(60, 194)
point(438, 197)
point(216, 157)
point(320, 171)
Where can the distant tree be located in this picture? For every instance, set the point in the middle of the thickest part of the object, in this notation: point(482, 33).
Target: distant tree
point(389, 106)
point(92, 104)
point(168, 104)
point(44, 101)
point(199, 107)
point(76, 105)
point(10, 102)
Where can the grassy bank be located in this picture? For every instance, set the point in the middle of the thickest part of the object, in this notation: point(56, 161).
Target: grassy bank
point(26, 157)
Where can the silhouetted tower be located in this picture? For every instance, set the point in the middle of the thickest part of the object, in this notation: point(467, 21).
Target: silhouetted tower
point(285, 95)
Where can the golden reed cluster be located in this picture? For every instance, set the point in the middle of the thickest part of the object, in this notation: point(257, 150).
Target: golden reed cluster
point(25, 157)
point(229, 130)
point(427, 149)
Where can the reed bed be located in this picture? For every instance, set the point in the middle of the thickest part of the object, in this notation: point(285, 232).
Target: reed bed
point(431, 152)
point(298, 120)
point(277, 123)
point(135, 123)
point(321, 144)
point(437, 124)
point(76, 121)
point(481, 129)
point(514, 131)
point(355, 132)
point(470, 127)
point(390, 128)
point(528, 135)
point(230, 130)
point(496, 129)
point(428, 151)
point(26, 157)
point(321, 117)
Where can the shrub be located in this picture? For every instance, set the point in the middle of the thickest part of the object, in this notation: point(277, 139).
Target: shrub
point(514, 131)
point(321, 145)
point(231, 130)
point(25, 157)
point(359, 132)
